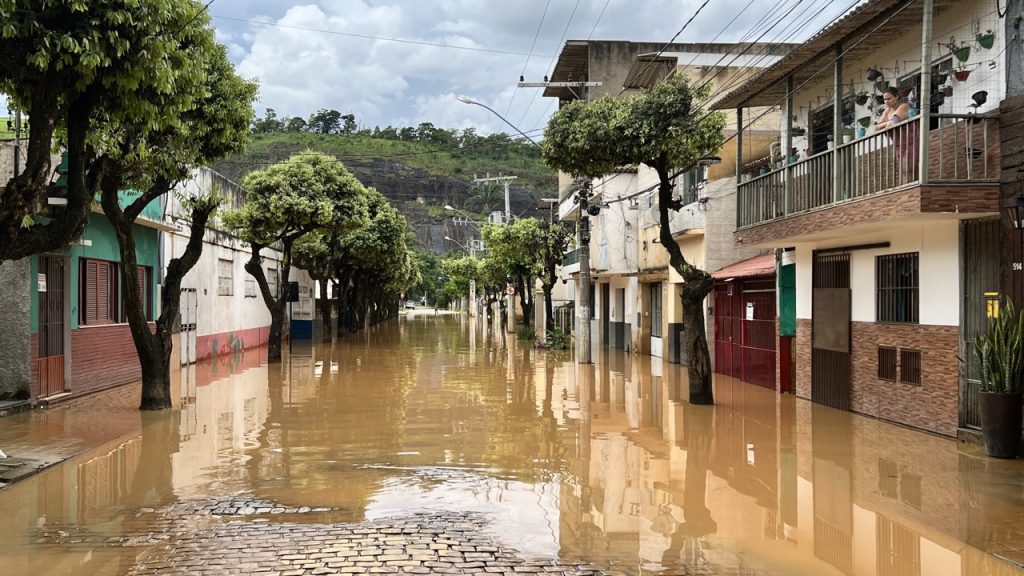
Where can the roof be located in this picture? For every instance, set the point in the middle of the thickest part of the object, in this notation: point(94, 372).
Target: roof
point(763, 265)
point(646, 65)
point(855, 32)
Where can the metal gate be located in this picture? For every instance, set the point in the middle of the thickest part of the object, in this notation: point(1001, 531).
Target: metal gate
point(830, 331)
point(188, 312)
point(50, 361)
point(981, 284)
point(745, 316)
point(606, 312)
point(728, 330)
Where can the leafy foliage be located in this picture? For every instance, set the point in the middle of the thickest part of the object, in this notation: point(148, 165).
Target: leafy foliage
point(1000, 352)
point(557, 340)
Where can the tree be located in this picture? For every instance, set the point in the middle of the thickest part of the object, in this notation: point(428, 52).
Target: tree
point(77, 68)
point(308, 192)
point(317, 253)
point(662, 129)
point(295, 124)
point(153, 162)
point(554, 240)
point(325, 122)
point(269, 122)
point(349, 125)
point(487, 196)
point(516, 248)
point(375, 265)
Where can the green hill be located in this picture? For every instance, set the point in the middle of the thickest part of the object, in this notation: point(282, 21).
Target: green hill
point(419, 177)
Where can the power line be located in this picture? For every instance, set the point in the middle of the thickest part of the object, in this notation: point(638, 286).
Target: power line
point(552, 62)
point(369, 37)
point(669, 43)
point(528, 56)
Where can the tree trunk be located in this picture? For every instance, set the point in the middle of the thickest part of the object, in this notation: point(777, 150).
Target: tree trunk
point(549, 309)
point(525, 301)
point(152, 347)
point(697, 285)
point(275, 303)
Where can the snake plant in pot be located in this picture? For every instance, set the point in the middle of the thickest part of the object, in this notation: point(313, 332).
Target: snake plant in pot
point(1000, 354)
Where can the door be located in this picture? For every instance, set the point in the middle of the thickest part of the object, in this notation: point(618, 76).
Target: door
point(657, 319)
point(830, 331)
point(605, 312)
point(981, 286)
point(188, 313)
point(620, 324)
point(50, 357)
point(757, 345)
point(728, 326)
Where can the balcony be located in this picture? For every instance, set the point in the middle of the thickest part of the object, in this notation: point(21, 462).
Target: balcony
point(845, 186)
point(571, 257)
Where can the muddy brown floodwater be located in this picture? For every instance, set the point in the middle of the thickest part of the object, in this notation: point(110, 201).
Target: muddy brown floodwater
point(430, 444)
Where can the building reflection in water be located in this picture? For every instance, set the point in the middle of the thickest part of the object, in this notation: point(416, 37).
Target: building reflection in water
point(602, 463)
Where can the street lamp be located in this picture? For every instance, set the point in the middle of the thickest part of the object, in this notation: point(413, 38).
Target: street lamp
point(469, 218)
point(468, 100)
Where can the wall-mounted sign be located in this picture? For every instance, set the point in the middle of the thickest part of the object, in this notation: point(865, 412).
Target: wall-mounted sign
point(42, 282)
point(750, 310)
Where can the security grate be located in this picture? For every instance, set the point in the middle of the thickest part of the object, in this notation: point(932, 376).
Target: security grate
point(887, 363)
point(897, 281)
point(910, 366)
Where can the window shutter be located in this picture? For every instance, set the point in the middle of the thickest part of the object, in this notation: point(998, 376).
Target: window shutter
point(102, 291)
point(91, 272)
point(143, 290)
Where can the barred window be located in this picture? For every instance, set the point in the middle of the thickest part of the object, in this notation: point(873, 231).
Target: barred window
point(272, 281)
point(225, 277)
point(896, 278)
point(250, 287)
point(887, 363)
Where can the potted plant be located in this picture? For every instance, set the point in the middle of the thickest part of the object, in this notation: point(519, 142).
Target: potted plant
point(847, 133)
point(961, 74)
point(999, 351)
point(963, 52)
point(986, 40)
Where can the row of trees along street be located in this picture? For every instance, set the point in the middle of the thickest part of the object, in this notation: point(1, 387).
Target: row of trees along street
point(136, 99)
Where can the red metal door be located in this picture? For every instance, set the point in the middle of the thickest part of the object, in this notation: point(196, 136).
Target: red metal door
point(758, 333)
point(727, 331)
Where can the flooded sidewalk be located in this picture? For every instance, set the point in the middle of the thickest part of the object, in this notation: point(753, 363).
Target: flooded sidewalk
point(432, 445)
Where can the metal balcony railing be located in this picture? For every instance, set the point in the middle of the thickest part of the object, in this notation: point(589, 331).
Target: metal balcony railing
point(571, 257)
point(963, 148)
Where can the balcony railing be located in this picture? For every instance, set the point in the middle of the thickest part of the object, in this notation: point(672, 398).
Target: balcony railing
point(571, 257)
point(962, 148)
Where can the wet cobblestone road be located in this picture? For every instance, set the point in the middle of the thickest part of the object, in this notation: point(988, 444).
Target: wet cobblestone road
point(430, 445)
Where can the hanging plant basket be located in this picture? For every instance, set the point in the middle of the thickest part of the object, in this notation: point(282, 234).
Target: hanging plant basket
point(947, 91)
point(879, 100)
point(986, 40)
point(862, 98)
point(961, 75)
point(962, 53)
point(864, 121)
point(940, 79)
point(882, 85)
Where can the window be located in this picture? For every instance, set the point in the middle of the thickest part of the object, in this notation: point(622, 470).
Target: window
point(686, 185)
point(896, 278)
point(250, 287)
point(145, 274)
point(225, 277)
point(887, 363)
point(941, 72)
point(272, 281)
point(910, 366)
point(656, 310)
point(97, 292)
point(822, 123)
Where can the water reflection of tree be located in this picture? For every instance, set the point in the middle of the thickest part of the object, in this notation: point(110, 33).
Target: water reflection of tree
point(687, 539)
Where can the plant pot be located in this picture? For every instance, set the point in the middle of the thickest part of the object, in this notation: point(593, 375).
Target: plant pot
point(962, 53)
point(847, 138)
point(862, 132)
point(947, 91)
point(862, 99)
point(1001, 422)
point(912, 112)
point(865, 121)
point(961, 75)
point(882, 85)
point(986, 40)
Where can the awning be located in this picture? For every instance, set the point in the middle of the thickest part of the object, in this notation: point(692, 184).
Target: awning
point(763, 265)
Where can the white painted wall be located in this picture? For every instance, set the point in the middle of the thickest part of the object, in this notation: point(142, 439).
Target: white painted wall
point(938, 246)
point(216, 313)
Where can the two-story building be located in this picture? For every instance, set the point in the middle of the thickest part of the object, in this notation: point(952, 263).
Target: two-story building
point(635, 302)
point(891, 227)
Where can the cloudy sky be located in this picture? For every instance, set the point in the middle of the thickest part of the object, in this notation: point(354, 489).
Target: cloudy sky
point(402, 62)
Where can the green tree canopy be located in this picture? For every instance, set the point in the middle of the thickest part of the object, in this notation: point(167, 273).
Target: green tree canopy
point(80, 69)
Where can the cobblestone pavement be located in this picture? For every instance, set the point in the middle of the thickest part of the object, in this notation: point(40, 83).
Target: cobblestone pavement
point(216, 537)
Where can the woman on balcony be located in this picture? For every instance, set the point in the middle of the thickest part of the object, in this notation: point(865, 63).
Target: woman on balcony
point(904, 138)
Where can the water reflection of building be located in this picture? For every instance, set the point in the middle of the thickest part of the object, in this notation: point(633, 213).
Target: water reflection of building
point(767, 482)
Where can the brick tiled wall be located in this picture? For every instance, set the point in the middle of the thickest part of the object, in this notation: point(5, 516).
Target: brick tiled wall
point(101, 357)
point(932, 405)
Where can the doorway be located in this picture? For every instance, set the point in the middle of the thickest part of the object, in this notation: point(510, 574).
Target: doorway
point(50, 362)
point(830, 331)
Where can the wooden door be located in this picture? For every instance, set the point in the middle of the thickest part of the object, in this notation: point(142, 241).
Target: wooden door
point(830, 331)
point(50, 357)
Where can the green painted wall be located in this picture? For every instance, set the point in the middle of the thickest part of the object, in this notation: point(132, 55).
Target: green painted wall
point(104, 247)
point(787, 300)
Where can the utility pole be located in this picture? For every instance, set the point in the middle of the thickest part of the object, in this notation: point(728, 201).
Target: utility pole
point(583, 310)
point(504, 180)
point(509, 291)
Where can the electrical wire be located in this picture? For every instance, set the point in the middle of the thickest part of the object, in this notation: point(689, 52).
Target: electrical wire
point(669, 43)
point(547, 71)
point(528, 56)
point(369, 37)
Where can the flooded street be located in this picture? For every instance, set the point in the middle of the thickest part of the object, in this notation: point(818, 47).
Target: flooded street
point(428, 445)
